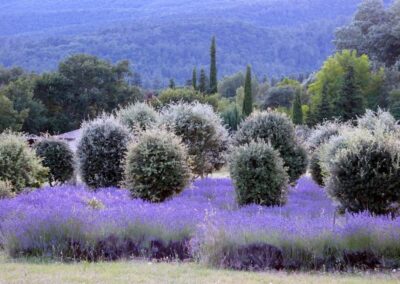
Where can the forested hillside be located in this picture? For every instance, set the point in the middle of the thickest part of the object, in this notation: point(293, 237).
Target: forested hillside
point(165, 39)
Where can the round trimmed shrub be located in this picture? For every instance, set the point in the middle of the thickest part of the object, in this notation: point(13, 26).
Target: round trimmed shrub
point(365, 175)
point(156, 166)
point(58, 158)
point(258, 174)
point(275, 128)
point(19, 164)
point(138, 117)
point(101, 152)
point(203, 133)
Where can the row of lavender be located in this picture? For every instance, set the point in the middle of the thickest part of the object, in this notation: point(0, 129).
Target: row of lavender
point(204, 223)
point(154, 156)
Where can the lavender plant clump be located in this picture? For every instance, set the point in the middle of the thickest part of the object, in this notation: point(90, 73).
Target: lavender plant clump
point(204, 223)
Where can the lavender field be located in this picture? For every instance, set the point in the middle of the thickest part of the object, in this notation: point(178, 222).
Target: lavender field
point(203, 224)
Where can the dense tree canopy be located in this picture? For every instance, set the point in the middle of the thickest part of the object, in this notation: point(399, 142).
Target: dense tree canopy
point(374, 31)
point(329, 80)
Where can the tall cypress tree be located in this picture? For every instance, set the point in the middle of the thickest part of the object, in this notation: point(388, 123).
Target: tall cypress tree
point(213, 68)
point(324, 111)
point(248, 97)
point(350, 103)
point(203, 81)
point(297, 111)
point(194, 78)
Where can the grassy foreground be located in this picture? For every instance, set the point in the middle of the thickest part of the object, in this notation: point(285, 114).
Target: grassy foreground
point(23, 271)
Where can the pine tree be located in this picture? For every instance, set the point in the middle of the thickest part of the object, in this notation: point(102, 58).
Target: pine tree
point(194, 78)
point(172, 84)
point(203, 82)
point(297, 111)
point(350, 102)
point(324, 111)
point(213, 68)
point(248, 97)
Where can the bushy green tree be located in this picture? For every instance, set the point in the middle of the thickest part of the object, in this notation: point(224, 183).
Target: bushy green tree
point(9, 117)
point(139, 116)
point(19, 164)
point(203, 133)
point(277, 129)
point(373, 31)
point(365, 175)
point(350, 102)
point(157, 166)
point(331, 80)
point(258, 174)
point(101, 152)
point(58, 158)
point(83, 87)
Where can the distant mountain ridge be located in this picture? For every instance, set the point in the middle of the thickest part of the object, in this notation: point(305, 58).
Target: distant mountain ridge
point(166, 39)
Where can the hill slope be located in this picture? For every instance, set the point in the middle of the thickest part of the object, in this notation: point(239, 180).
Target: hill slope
point(166, 38)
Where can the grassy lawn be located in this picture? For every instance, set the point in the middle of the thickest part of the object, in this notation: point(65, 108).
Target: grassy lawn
point(23, 271)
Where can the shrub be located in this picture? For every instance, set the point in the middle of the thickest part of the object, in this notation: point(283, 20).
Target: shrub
point(378, 122)
point(58, 158)
point(365, 175)
point(156, 166)
point(101, 152)
point(315, 168)
point(297, 159)
point(19, 164)
point(322, 133)
point(202, 132)
point(6, 190)
point(277, 129)
point(139, 116)
point(171, 96)
point(258, 174)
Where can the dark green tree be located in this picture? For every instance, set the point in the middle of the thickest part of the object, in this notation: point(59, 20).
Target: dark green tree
point(297, 111)
point(194, 78)
point(213, 68)
point(324, 111)
point(171, 84)
point(248, 97)
point(203, 81)
point(350, 102)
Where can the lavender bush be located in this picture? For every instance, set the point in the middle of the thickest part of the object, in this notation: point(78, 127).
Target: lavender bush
point(63, 223)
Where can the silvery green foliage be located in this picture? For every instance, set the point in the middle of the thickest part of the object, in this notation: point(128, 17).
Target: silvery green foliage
point(6, 190)
point(19, 164)
point(258, 174)
point(139, 116)
point(322, 133)
point(302, 132)
point(275, 128)
point(202, 131)
point(378, 122)
point(157, 166)
point(58, 158)
point(365, 174)
point(101, 151)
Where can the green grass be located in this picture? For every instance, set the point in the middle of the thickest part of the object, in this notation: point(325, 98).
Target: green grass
point(34, 271)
